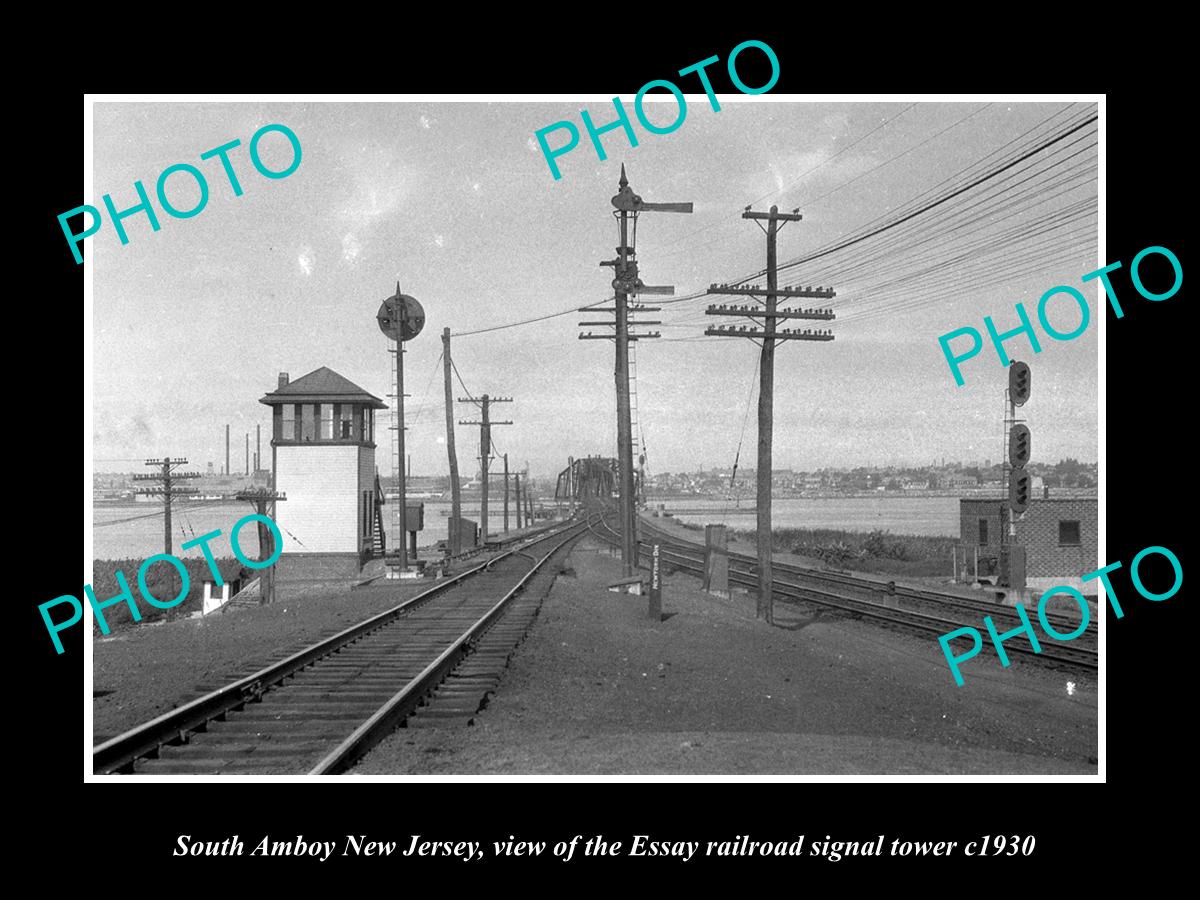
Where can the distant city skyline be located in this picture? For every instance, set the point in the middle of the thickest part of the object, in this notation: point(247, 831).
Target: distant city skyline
point(191, 324)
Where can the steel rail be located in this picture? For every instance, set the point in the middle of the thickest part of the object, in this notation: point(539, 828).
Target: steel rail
point(119, 753)
point(409, 697)
point(1084, 657)
point(868, 584)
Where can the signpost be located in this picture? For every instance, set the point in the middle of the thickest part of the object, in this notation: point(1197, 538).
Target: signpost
point(655, 583)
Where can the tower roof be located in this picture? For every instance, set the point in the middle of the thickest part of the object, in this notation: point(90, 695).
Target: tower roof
point(322, 386)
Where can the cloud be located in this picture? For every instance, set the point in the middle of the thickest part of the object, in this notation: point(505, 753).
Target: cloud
point(351, 248)
point(440, 240)
point(425, 122)
point(305, 259)
point(378, 184)
point(475, 187)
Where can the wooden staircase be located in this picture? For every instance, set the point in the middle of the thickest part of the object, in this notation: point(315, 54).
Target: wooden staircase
point(379, 535)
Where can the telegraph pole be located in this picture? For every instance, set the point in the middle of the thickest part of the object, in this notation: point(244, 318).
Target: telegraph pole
point(628, 206)
point(769, 314)
point(485, 447)
point(167, 489)
point(451, 451)
point(259, 498)
point(506, 493)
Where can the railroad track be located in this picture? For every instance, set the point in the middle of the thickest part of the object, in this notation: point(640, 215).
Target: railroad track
point(862, 596)
point(970, 610)
point(437, 655)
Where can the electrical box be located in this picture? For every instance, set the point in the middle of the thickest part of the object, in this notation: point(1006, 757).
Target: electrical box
point(1012, 567)
point(468, 532)
point(414, 520)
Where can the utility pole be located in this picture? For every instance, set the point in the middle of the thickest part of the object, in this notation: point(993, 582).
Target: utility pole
point(247, 453)
point(167, 489)
point(768, 312)
point(506, 493)
point(485, 449)
point(259, 498)
point(258, 448)
point(451, 451)
point(628, 206)
point(227, 472)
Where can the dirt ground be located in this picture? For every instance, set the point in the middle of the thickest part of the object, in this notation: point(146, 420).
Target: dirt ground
point(598, 688)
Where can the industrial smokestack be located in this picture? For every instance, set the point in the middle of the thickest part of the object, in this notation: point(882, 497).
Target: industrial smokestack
point(257, 447)
point(226, 449)
point(247, 453)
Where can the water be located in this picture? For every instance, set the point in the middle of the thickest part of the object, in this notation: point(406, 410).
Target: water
point(115, 538)
point(937, 516)
point(136, 531)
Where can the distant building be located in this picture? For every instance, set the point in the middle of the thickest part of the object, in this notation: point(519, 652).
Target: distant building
point(1060, 536)
point(323, 457)
point(957, 481)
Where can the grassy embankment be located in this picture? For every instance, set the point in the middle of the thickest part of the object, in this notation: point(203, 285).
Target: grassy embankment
point(163, 581)
point(879, 552)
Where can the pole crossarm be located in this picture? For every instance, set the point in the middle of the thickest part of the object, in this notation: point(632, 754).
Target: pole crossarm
point(632, 307)
point(757, 290)
point(783, 334)
point(261, 494)
point(793, 216)
point(759, 313)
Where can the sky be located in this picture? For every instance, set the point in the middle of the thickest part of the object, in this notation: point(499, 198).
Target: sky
point(192, 324)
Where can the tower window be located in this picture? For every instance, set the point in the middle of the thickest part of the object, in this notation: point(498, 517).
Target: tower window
point(308, 421)
point(325, 414)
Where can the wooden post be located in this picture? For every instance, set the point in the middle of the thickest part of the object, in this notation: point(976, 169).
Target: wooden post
point(655, 583)
point(716, 561)
point(506, 493)
point(451, 452)
point(485, 446)
point(517, 482)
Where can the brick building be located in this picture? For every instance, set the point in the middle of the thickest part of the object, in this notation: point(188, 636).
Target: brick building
point(1060, 536)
